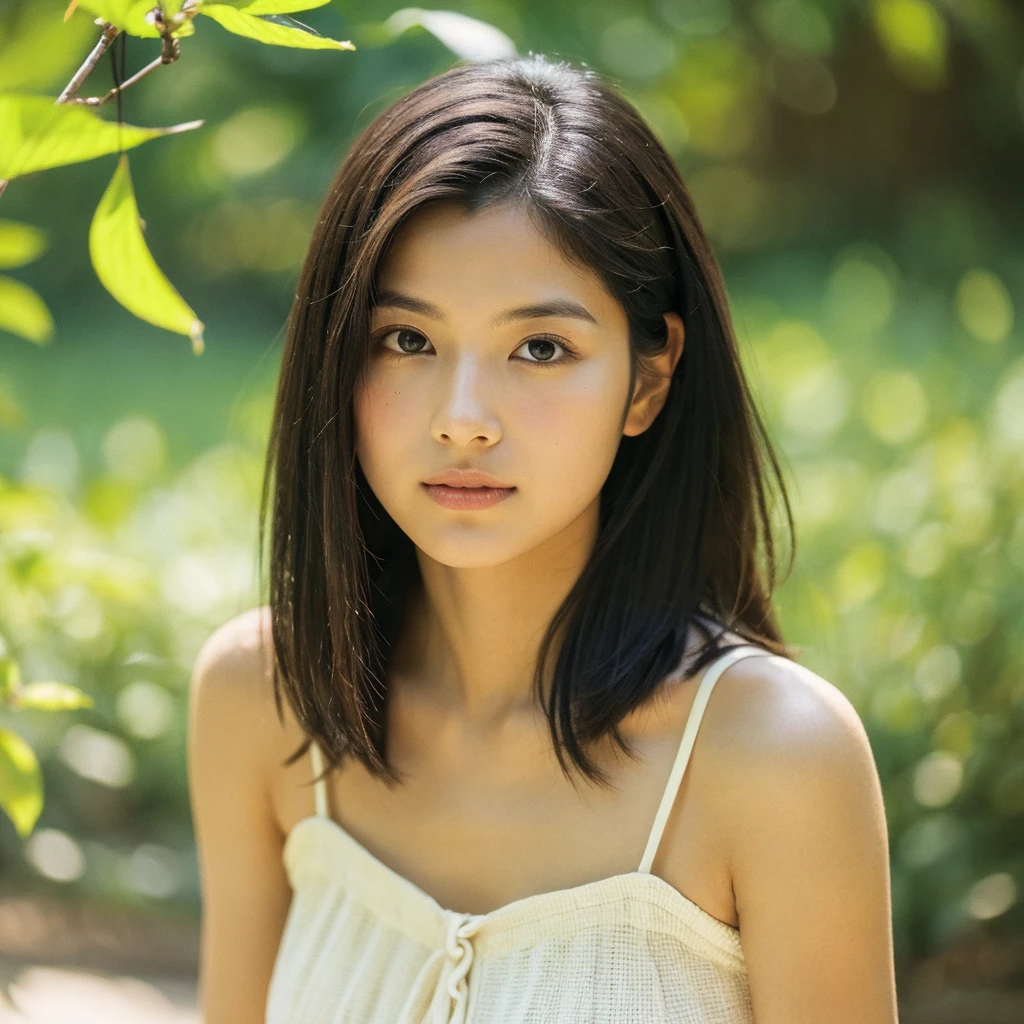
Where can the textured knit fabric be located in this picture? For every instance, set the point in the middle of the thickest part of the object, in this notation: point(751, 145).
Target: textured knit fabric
point(363, 944)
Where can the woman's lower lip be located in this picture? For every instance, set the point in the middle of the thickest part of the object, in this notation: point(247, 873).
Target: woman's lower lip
point(467, 497)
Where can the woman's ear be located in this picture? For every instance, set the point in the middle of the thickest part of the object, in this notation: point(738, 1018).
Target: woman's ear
point(653, 380)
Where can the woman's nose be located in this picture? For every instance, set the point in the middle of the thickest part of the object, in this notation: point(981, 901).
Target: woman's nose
point(465, 410)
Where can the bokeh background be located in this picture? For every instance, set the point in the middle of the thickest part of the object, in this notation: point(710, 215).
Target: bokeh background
point(859, 167)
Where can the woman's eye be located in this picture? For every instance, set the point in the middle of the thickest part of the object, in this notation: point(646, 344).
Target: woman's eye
point(408, 342)
point(404, 341)
point(545, 350)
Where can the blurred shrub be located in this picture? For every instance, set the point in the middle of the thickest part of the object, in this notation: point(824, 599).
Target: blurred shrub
point(112, 584)
point(907, 462)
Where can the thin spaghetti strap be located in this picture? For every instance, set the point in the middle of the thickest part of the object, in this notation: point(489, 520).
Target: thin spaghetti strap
point(686, 746)
point(319, 786)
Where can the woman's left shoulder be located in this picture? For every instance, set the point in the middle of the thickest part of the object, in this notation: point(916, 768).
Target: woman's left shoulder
point(777, 725)
point(803, 830)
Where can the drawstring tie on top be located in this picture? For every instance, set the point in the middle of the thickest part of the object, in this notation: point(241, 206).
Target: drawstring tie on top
point(460, 953)
point(440, 994)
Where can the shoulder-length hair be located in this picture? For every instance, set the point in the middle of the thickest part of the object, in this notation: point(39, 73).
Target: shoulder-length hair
point(686, 522)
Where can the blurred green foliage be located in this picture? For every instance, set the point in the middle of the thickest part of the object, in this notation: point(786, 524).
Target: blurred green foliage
point(857, 165)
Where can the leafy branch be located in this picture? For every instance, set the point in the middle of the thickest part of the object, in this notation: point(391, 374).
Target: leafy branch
point(37, 134)
point(170, 52)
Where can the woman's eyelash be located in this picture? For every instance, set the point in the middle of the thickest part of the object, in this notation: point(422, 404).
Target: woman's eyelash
point(570, 352)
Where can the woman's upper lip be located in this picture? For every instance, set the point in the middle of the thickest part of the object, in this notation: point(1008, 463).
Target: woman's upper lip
point(465, 478)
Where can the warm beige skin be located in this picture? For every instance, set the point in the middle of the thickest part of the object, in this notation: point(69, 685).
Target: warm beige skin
point(779, 826)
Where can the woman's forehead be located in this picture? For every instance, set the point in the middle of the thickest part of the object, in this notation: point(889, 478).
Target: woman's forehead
point(448, 257)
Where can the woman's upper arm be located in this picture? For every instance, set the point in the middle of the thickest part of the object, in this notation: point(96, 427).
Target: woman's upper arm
point(245, 892)
point(809, 853)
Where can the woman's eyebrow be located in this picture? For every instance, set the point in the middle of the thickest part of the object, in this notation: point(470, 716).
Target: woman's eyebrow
point(566, 308)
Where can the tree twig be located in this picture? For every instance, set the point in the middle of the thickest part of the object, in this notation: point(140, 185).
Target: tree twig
point(95, 101)
point(106, 38)
point(170, 52)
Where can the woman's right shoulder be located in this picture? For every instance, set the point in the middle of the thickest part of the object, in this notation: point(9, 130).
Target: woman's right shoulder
point(233, 736)
point(237, 653)
point(232, 714)
point(232, 672)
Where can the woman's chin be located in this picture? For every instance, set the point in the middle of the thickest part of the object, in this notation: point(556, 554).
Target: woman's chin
point(469, 549)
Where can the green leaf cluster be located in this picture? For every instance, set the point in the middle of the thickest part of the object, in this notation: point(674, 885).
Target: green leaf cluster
point(103, 582)
point(37, 134)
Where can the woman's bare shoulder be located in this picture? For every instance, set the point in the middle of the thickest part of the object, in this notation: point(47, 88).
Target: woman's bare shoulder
point(231, 708)
point(786, 748)
point(237, 652)
point(233, 673)
point(771, 709)
point(232, 727)
point(803, 816)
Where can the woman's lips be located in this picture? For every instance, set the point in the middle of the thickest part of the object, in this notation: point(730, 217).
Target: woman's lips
point(467, 498)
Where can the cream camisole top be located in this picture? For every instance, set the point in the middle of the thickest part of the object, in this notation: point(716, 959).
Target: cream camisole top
point(364, 945)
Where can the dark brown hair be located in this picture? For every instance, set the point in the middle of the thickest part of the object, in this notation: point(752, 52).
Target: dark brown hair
point(686, 531)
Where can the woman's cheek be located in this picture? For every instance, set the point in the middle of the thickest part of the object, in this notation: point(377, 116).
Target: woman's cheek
point(384, 415)
point(572, 441)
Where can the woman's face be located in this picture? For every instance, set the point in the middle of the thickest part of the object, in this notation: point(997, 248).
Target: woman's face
point(491, 352)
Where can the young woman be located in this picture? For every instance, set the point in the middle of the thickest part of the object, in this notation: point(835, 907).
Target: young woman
point(520, 527)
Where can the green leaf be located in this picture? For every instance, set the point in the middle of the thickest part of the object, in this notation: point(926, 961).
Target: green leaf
point(125, 266)
point(23, 312)
point(130, 16)
point(20, 243)
point(274, 6)
point(114, 11)
point(51, 696)
point(271, 32)
point(467, 37)
point(21, 782)
point(36, 133)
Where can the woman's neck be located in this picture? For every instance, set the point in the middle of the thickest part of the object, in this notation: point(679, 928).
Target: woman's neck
point(470, 636)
